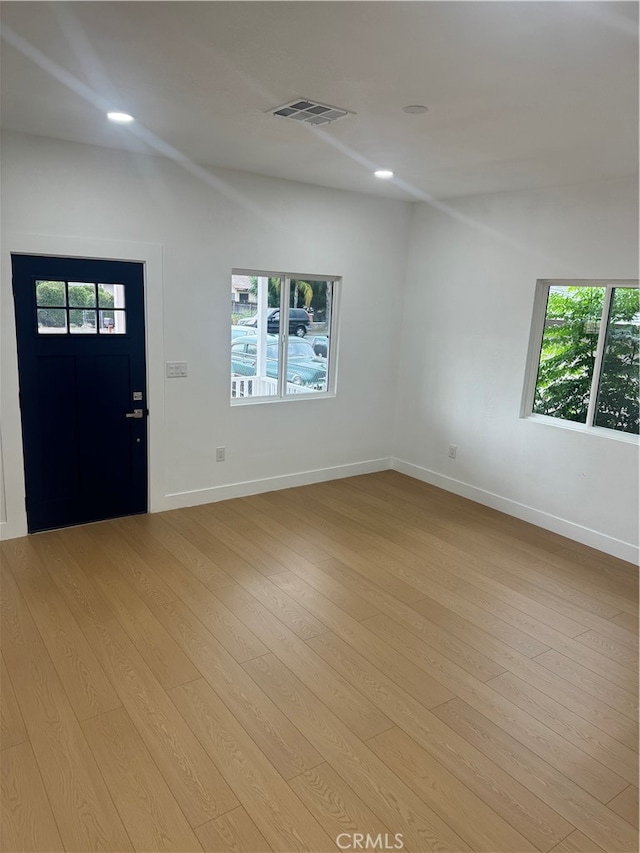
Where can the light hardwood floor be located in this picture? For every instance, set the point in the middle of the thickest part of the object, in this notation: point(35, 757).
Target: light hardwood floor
point(369, 655)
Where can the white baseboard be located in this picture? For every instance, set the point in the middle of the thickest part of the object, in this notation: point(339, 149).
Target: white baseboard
point(585, 535)
point(178, 500)
point(593, 538)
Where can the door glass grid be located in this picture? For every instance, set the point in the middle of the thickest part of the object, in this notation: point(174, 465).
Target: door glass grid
point(80, 308)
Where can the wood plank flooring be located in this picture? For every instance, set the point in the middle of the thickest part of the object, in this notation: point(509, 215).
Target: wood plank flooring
point(286, 671)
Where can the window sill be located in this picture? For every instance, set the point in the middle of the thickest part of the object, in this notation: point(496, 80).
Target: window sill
point(600, 432)
point(291, 398)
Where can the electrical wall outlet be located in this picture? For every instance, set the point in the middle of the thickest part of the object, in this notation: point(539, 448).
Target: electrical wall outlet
point(176, 369)
point(220, 454)
point(453, 449)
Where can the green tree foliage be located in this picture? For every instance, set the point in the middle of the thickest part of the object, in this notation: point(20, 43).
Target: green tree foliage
point(51, 297)
point(618, 404)
point(273, 296)
point(300, 289)
point(51, 293)
point(568, 354)
point(105, 301)
point(312, 294)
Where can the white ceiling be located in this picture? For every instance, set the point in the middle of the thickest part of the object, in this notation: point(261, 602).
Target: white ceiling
point(520, 94)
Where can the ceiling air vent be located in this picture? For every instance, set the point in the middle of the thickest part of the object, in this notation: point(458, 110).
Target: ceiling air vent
point(310, 112)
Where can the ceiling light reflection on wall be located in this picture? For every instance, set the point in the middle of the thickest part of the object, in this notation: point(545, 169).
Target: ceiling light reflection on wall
point(383, 174)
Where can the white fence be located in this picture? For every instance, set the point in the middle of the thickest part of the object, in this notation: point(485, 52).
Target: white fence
point(261, 386)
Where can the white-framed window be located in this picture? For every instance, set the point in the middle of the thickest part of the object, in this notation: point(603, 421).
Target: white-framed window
point(283, 339)
point(584, 364)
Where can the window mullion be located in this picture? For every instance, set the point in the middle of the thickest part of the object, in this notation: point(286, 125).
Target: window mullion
point(261, 327)
point(284, 335)
point(597, 366)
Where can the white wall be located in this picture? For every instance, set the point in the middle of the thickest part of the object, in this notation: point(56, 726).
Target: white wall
point(192, 228)
point(471, 267)
point(471, 275)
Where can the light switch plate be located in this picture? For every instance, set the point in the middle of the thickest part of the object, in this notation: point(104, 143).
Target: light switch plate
point(176, 369)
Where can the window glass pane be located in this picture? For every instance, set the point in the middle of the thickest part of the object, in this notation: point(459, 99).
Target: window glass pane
point(112, 322)
point(569, 343)
point(244, 296)
point(82, 321)
point(308, 352)
point(617, 406)
point(82, 295)
point(111, 295)
point(50, 293)
point(52, 321)
point(255, 323)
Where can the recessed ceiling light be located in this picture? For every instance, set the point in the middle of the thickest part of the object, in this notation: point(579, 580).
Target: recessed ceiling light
point(385, 174)
point(414, 109)
point(121, 118)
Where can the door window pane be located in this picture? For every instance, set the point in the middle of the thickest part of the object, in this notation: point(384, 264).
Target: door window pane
point(111, 295)
point(50, 293)
point(52, 321)
point(617, 406)
point(82, 321)
point(112, 322)
point(82, 295)
point(81, 298)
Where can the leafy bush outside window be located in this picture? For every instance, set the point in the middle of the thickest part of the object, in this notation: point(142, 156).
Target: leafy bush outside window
point(587, 367)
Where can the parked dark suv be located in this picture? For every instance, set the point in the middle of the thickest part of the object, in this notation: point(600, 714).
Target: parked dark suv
point(299, 321)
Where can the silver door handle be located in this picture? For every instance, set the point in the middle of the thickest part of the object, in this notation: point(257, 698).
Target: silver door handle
point(136, 413)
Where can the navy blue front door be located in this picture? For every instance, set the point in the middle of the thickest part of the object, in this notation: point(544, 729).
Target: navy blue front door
point(81, 360)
